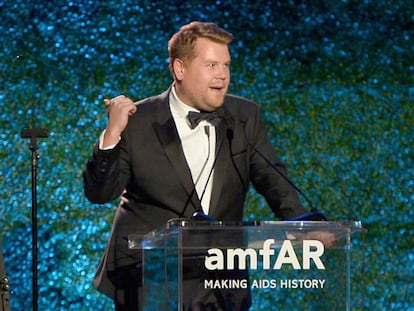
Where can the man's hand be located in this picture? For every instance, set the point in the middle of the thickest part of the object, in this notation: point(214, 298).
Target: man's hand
point(328, 239)
point(119, 109)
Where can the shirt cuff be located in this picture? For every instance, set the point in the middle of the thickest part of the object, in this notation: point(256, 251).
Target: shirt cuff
point(101, 137)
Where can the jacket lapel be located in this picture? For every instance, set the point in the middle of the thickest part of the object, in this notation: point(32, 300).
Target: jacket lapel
point(224, 135)
point(168, 136)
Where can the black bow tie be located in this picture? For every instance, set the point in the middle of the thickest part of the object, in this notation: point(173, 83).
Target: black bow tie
point(196, 117)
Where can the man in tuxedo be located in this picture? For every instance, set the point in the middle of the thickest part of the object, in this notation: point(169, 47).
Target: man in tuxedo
point(165, 165)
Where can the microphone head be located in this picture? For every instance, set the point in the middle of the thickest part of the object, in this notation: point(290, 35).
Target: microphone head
point(200, 216)
point(312, 216)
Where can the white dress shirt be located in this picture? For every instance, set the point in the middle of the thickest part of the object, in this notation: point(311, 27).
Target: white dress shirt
point(199, 145)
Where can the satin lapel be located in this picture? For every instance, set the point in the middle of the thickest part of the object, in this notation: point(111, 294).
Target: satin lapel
point(223, 157)
point(168, 136)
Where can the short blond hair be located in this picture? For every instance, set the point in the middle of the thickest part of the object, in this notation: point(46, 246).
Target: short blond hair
point(181, 45)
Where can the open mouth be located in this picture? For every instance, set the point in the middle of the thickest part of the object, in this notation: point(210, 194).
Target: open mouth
point(217, 88)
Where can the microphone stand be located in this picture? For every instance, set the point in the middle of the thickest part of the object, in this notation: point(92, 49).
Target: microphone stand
point(33, 134)
point(314, 214)
point(4, 286)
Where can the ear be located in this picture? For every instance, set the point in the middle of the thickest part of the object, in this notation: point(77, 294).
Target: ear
point(178, 69)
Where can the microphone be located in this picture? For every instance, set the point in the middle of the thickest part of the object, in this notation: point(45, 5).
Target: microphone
point(193, 191)
point(199, 214)
point(207, 131)
point(314, 214)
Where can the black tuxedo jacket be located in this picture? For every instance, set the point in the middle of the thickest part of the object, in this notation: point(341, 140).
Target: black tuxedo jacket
point(149, 171)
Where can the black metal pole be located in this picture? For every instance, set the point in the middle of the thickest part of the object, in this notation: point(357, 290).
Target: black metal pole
point(4, 286)
point(33, 134)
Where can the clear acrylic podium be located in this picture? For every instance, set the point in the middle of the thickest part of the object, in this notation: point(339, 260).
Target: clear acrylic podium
point(279, 265)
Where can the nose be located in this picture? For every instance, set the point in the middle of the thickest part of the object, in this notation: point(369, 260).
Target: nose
point(223, 72)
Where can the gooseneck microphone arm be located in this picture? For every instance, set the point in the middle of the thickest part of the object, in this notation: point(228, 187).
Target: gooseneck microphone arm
point(314, 213)
point(200, 215)
point(193, 191)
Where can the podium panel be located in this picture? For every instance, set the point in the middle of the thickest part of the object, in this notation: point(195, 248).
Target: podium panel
point(275, 265)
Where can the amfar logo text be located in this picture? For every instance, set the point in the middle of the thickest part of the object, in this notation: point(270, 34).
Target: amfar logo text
point(312, 250)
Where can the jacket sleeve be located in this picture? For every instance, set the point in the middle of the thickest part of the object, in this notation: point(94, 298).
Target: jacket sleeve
point(103, 177)
point(268, 172)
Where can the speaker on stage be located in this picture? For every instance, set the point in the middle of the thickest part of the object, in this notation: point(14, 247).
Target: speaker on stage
point(4, 286)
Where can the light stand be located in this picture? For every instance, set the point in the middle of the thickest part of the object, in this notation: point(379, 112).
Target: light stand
point(4, 286)
point(33, 135)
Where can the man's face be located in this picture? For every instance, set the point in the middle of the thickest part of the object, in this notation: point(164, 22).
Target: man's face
point(202, 82)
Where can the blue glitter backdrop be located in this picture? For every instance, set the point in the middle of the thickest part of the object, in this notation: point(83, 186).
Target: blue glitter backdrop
point(335, 81)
